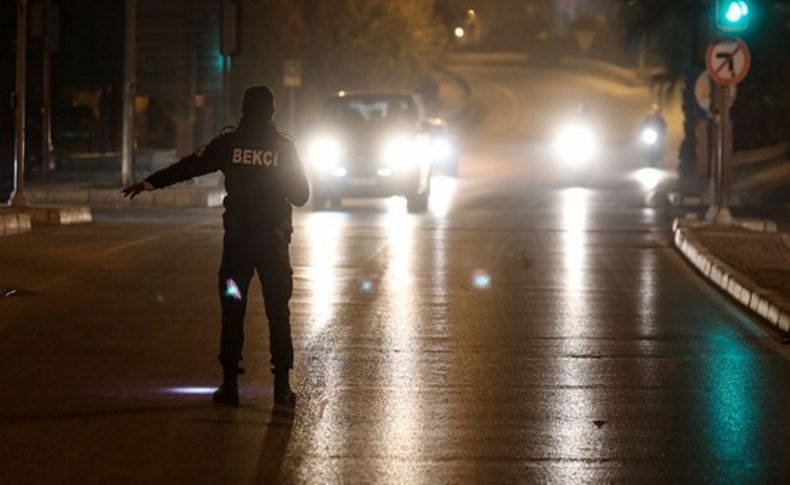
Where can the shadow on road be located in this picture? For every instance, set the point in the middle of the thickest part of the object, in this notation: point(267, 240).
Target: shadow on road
point(278, 434)
point(92, 413)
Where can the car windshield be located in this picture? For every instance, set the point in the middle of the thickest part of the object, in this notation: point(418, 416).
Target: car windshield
point(372, 110)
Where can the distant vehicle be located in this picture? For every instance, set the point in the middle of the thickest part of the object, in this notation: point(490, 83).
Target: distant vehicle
point(576, 146)
point(370, 144)
point(444, 150)
point(653, 137)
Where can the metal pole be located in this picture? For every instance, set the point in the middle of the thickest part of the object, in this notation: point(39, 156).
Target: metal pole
point(226, 66)
point(292, 109)
point(724, 216)
point(18, 198)
point(713, 151)
point(719, 212)
point(129, 88)
point(46, 96)
point(641, 71)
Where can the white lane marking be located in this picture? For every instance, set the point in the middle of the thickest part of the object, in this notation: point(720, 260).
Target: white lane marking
point(129, 244)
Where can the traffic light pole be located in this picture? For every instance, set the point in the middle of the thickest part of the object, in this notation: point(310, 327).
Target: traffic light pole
point(18, 198)
point(719, 212)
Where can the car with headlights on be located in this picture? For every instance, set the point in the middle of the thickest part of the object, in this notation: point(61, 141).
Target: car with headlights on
point(370, 144)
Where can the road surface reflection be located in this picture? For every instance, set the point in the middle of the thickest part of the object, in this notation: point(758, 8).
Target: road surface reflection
point(325, 231)
point(573, 412)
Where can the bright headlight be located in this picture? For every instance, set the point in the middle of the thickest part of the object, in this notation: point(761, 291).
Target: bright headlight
point(649, 136)
point(324, 152)
point(576, 144)
point(650, 178)
point(403, 151)
point(441, 149)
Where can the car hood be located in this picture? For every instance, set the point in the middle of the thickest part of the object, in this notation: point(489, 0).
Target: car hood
point(366, 136)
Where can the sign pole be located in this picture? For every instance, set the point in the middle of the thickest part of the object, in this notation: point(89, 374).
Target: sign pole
point(18, 198)
point(129, 77)
point(292, 79)
point(226, 116)
point(715, 153)
point(46, 90)
point(727, 62)
point(719, 212)
point(724, 216)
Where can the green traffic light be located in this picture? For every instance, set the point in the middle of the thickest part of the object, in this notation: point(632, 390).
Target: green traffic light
point(732, 15)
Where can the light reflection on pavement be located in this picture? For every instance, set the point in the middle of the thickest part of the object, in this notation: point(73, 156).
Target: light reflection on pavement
point(574, 432)
point(520, 331)
point(324, 231)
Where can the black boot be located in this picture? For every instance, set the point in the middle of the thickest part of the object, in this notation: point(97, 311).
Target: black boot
point(283, 395)
point(228, 392)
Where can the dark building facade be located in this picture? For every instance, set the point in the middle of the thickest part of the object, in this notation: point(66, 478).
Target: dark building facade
point(7, 70)
point(179, 73)
point(179, 78)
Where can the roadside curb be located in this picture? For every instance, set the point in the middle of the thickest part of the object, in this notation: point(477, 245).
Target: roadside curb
point(14, 222)
point(770, 305)
point(113, 198)
point(59, 216)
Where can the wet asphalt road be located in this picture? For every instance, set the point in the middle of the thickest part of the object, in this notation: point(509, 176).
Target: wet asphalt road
point(521, 331)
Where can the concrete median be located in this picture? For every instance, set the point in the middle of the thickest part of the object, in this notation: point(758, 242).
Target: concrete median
point(750, 262)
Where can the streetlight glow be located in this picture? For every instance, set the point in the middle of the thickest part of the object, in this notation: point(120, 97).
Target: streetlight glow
point(459, 32)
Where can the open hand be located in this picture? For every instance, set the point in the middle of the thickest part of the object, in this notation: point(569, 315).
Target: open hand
point(134, 189)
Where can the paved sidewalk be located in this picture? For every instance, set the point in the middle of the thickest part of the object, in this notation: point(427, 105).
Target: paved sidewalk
point(752, 266)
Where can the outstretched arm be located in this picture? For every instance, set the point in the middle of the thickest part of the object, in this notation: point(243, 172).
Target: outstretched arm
point(203, 161)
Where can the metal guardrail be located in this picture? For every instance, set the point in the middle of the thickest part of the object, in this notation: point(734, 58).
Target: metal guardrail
point(614, 72)
point(487, 58)
point(751, 157)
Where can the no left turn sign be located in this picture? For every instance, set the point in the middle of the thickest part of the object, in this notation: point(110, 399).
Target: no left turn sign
point(728, 61)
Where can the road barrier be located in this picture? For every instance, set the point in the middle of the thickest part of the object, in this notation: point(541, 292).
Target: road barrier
point(762, 155)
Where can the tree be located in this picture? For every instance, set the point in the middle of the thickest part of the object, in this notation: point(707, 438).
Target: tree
point(271, 32)
point(362, 43)
point(677, 30)
point(343, 44)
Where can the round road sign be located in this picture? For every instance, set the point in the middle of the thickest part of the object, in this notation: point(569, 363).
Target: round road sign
point(728, 61)
point(702, 91)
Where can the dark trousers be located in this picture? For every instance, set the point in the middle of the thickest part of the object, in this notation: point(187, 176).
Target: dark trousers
point(246, 250)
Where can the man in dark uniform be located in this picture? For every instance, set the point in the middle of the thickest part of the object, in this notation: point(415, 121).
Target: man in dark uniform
point(263, 178)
